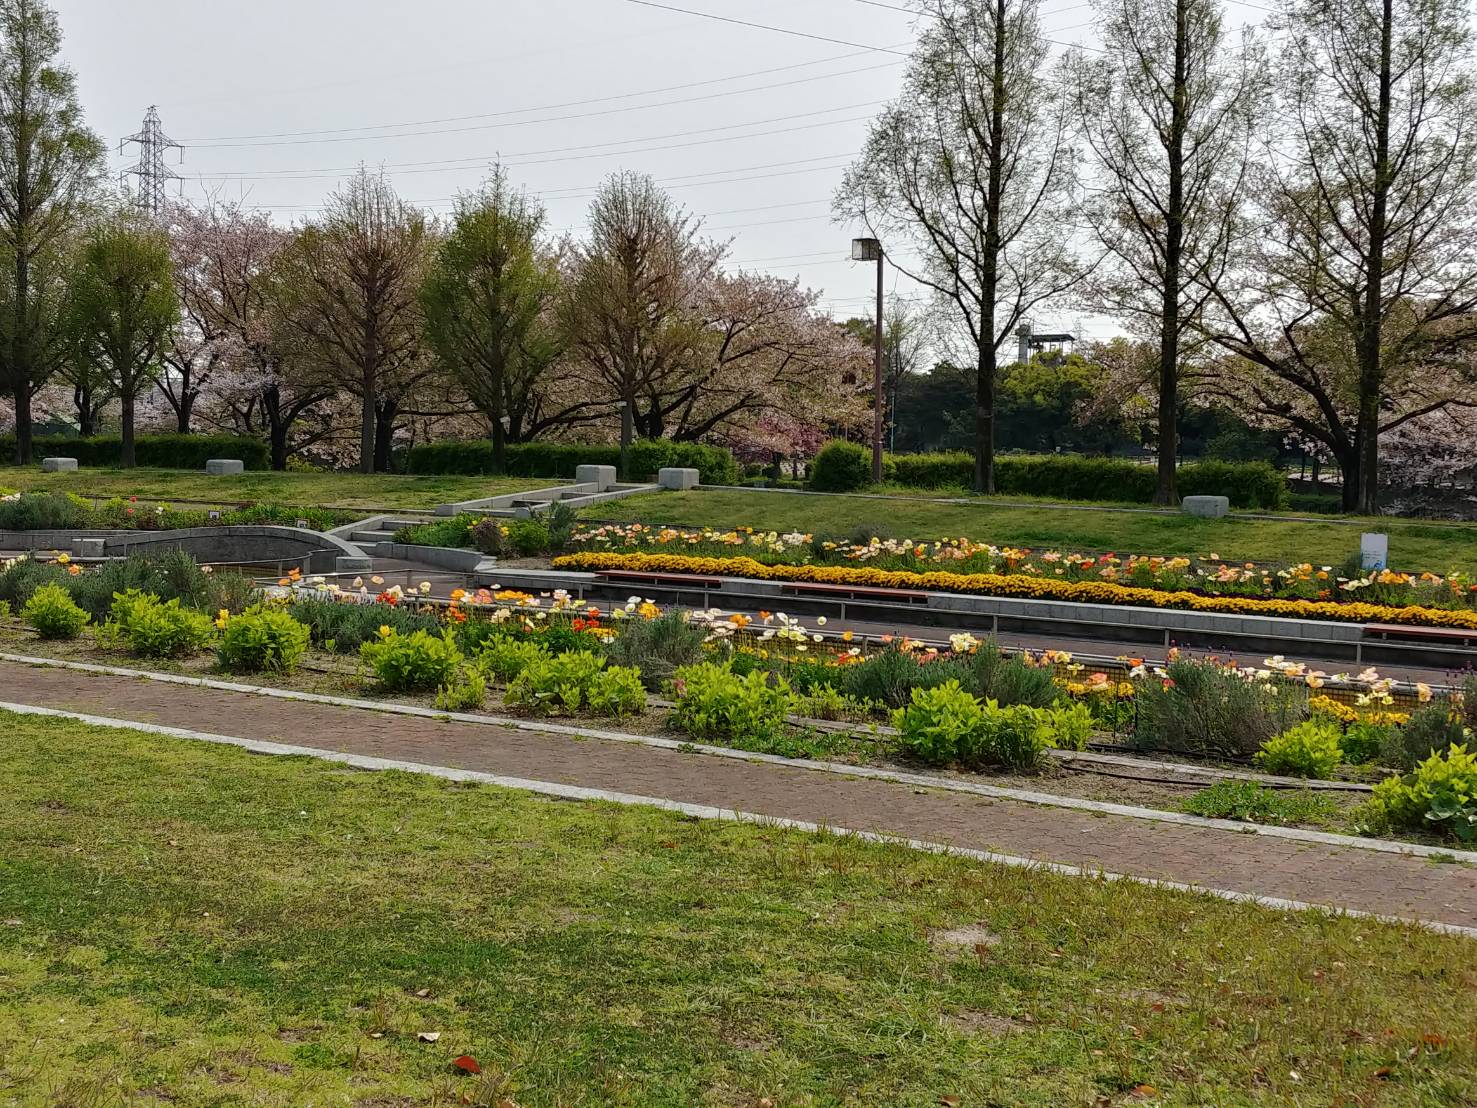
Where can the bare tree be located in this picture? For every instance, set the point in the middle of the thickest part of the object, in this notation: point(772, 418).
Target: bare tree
point(972, 167)
point(50, 164)
point(1355, 308)
point(350, 286)
point(632, 303)
point(1168, 111)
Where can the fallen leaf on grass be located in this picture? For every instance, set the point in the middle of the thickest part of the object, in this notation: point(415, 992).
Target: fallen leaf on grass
point(428, 1036)
point(1143, 1092)
point(1433, 1040)
point(423, 993)
point(950, 1101)
point(467, 1064)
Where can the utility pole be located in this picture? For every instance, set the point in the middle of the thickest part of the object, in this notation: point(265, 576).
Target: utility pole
point(867, 250)
point(150, 169)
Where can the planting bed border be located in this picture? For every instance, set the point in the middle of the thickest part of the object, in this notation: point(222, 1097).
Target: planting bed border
point(916, 780)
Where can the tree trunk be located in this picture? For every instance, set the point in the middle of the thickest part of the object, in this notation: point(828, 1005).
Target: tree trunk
point(984, 420)
point(277, 426)
point(384, 435)
point(367, 420)
point(1348, 463)
point(23, 429)
point(183, 412)
point(499, 445)
point(126, 459)
point(82, 401)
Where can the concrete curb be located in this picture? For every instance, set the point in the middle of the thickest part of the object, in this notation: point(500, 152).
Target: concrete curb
point(702, 811)
point(899, 777)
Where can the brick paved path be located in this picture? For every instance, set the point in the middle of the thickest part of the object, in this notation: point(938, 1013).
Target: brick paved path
point(1387, 884)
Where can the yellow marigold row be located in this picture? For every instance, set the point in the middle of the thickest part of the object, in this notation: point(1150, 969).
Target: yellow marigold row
point(1018, 585)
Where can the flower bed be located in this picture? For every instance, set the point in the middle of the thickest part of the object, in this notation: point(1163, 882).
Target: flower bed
point(1022, 586)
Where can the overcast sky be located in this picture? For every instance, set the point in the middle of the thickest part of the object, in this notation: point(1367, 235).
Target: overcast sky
point(277, 101)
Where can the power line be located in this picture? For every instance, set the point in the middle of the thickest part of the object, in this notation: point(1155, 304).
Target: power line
point(221, 141)
point(767, 27)
point(456, 164)
point(546, 119)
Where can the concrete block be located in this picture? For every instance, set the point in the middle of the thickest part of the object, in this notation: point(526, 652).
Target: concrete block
point(1206, 507)
point(88, 548)
point(347, 563)
point(678, 479)
point(58, 465)
point(224, 467)
point(602, 477)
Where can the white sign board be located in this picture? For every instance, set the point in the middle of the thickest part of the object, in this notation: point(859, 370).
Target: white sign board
point(1374, 551)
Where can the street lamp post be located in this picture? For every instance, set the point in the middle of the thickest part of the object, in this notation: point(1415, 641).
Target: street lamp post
point(869, 250)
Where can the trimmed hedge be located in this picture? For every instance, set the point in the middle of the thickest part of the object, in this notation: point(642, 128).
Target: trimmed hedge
point(155, 451)
point(1070, 477)
point(473, 457)
point(841, 466)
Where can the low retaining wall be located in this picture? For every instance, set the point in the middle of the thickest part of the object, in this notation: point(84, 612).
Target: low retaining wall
point(315, 551)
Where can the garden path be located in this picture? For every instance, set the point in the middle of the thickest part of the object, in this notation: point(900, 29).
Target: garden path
point(1338, 877)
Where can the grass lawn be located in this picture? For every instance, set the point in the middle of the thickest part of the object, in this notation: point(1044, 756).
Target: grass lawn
point(1414, 545)
point(195, 925)
point(329, 490)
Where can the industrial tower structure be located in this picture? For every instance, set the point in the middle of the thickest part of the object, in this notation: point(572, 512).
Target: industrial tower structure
point(150, 169)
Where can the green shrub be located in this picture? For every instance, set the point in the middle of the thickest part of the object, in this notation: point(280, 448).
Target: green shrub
point(1206, 710)
point(344, 627)
point(528, 538)
point(153, 628)
point(559, 521)
point(1311, 749)
point(170, 575)
point(659, 646)
point(714, 464)
point(713, 702)
point(1429, 730)
point(504, 658)
point(467, 691)
point(1070, 477)
point(171, 451)
point(1253, 803)
point(841, 466)
point(1440, 795)
point(1007, 680)
point(455, 532)
point(1364, 740)
point(828, 703)
point(890, 676)
point(567, 683)
point(44, 511)
point(417, 662)
point(53, 613)
point(262, 640)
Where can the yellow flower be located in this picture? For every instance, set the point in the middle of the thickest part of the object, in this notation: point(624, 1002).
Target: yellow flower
point(1423, 692)
point(63, 559)
point(425, 587)
point(385, 631)
point(846, 636)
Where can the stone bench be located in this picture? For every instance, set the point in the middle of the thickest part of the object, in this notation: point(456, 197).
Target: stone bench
point(224, 467)
point(678, 479)
point(1206, 507)
point(58, 465)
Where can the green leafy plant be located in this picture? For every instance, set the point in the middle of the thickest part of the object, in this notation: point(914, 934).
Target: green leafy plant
point(349, 626)
point(829, 703)
point(467, 691)
point(154, 628)
point(1311, 749)
point(563, 684)
point(416, 662)
point(261, 639)
point(713, 702)
point(54, 614)
point(528, 538)
point(890, 676)
point(1364, 740)
point(505, 658)
point(940, 725)
point(1069, 726)
point(1440, 795)
point(1253, 803)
